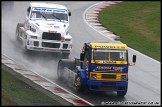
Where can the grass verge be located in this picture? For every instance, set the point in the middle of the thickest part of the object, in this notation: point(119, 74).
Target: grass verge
point(15, 92)
point(137, 23)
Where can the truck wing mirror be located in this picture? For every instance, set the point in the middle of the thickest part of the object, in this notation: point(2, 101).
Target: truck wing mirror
point(69, 13)
point(134, 58)
point(81, 56)
point(28, 9)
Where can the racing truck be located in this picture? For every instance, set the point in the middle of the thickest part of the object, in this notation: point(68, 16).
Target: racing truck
point(46, 28)
point(102, 66)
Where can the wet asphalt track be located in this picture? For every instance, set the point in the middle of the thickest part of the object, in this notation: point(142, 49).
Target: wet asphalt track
point(144, 77)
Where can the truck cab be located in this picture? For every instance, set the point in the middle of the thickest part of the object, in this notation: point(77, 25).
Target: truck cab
point(101, 67)
point(46, 28)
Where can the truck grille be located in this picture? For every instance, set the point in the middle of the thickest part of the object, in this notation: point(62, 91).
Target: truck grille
point(108, 76)
point(51, 36)
point(51, 45)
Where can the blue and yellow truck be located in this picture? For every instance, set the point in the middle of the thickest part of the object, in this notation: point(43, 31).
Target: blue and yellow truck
point(102, 66)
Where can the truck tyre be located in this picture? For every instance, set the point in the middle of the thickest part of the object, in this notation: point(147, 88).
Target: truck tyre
point(121, 93)
point(17, 30)
point(78, 86)
point(60, 70)
point(26, 50)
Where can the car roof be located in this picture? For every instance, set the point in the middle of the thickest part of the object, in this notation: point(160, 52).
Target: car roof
point(45, 4)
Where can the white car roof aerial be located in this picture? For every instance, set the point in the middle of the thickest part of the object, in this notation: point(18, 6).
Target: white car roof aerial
point(44, 4)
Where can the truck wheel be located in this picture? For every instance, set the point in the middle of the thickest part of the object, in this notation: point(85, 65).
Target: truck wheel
point(17, 30)
point(121, 93)
point(60, 70)
point(79, 87)
point(26, 50)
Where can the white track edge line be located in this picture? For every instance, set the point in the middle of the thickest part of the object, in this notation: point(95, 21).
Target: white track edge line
point(83, 15)
point(50, 81)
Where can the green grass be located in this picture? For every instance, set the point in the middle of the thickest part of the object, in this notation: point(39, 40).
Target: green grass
point(137, 23)
point(15, 92)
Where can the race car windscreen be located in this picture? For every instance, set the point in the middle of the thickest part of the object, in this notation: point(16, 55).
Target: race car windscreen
point(110, 55)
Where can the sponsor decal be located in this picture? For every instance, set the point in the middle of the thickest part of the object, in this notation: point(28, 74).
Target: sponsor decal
point(50, 23)
point(52, 31)
point(49, 10)
point(109, 68)
point(56, 27)
point(111, 47)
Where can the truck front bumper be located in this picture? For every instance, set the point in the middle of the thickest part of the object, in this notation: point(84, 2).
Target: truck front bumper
point(49, 46)
point(107, 86)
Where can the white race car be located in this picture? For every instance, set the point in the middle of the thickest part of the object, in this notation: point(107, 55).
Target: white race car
point(46, 28)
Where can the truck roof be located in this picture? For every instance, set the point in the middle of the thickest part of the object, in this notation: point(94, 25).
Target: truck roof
point(104, 45)
point(47, 5)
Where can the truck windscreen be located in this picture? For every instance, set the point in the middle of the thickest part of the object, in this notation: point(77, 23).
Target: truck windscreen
point(111, 55)
point(49, 15)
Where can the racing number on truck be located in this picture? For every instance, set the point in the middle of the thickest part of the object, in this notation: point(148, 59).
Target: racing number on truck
point(121, 55)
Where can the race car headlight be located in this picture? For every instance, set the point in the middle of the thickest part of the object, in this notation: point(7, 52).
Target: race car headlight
point(33, 37)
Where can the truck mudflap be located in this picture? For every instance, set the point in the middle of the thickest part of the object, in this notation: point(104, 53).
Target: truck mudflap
point(107, 86)
point(64, 63)
point(18, 30)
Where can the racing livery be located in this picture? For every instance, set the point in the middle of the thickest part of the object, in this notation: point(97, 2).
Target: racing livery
point(102, 66)
point(46, 28)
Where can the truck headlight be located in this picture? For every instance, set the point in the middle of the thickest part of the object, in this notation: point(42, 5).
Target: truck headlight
point(32, 29)
point(67, 39)
point(33, 37)
point(70, 46)
point(93, 76)
point(123, 77)
point(30, 42)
